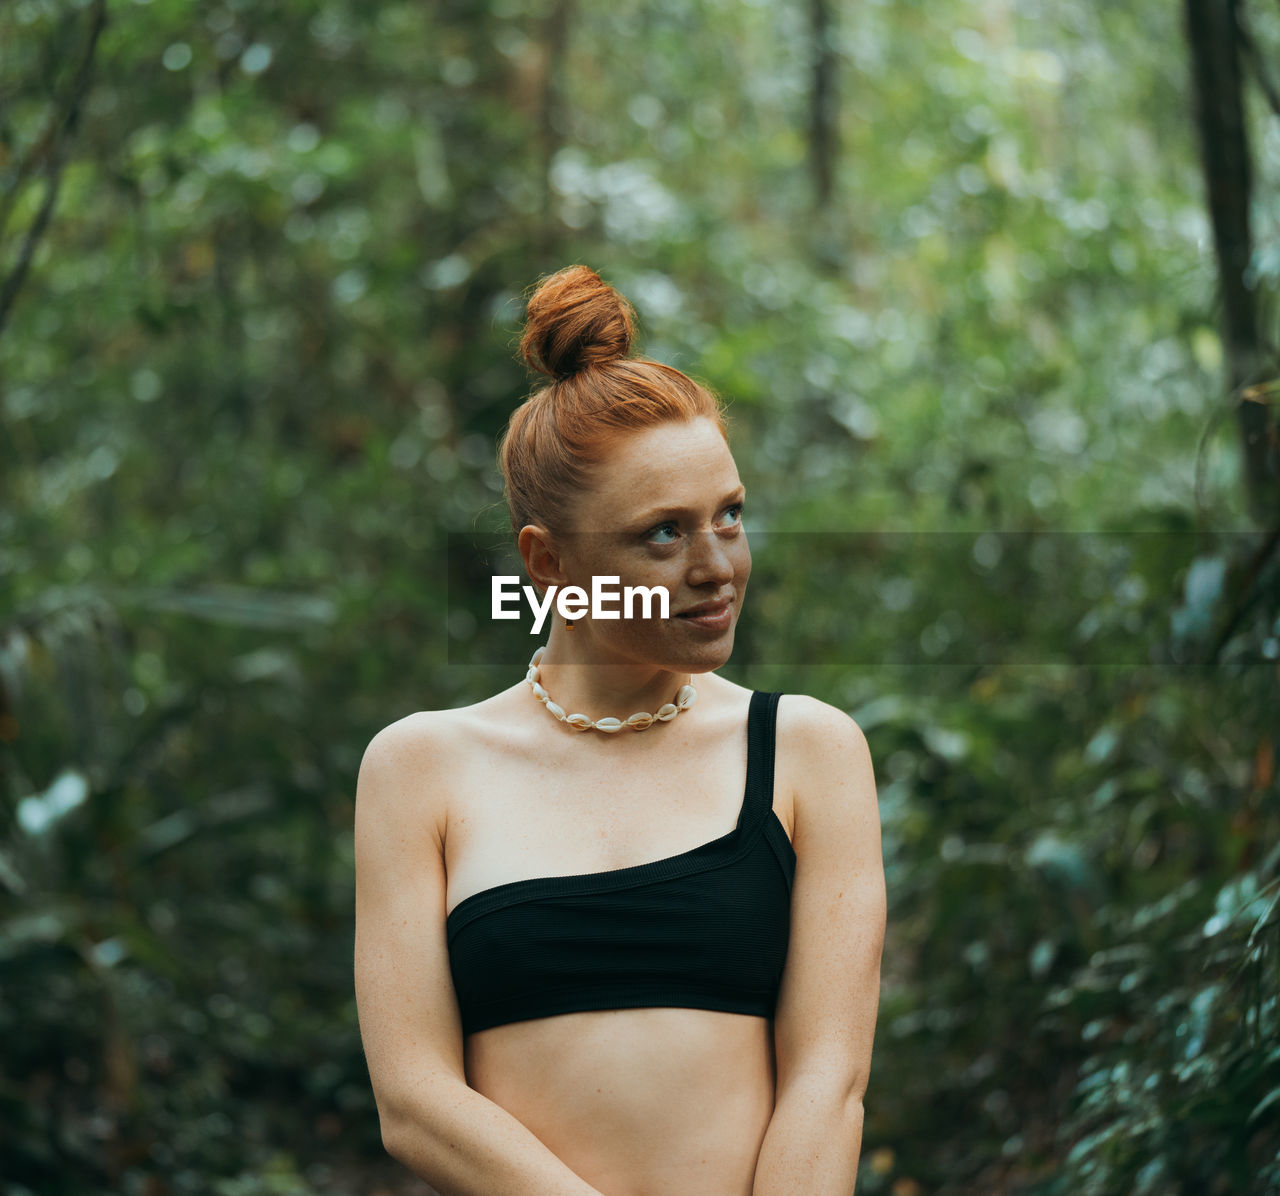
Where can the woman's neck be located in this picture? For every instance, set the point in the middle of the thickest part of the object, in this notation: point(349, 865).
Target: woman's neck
point(579, 682)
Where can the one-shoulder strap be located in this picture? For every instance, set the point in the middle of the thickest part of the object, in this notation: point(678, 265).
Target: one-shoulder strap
point(762, 724)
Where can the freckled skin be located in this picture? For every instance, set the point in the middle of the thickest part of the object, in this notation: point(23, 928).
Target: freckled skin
point(700, 556)
point(600, 1088)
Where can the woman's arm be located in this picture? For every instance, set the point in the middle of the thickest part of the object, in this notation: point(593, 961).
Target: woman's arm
point(465, 1145)
point(826, 1015)
point(435, 1124)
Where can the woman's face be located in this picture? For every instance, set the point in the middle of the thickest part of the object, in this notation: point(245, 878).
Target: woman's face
point(665, 510)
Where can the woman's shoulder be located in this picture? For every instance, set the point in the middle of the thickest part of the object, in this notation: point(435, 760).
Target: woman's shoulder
point(452, 742)
point(822, 752)
point(413, 765)
point(811, 719)
point(446, 723)
point(438, 734)
point(807, 727)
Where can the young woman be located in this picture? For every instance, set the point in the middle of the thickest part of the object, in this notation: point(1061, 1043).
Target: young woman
point(619, 926)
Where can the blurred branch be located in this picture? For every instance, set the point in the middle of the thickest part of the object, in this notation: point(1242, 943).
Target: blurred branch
point(1250, 47)
point(1249, 593)
point(1260, 72)
point(49, 147)
point(1260, 392)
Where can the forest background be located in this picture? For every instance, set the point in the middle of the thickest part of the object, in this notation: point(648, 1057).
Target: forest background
point(990, 289)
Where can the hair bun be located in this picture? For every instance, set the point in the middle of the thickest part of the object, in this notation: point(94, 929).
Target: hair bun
point(575, 320)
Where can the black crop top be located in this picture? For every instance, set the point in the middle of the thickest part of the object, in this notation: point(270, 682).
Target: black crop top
point(705, 929)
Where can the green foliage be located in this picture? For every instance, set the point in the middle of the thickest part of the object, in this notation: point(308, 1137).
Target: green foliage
point(255, 374)
point(1092, 981)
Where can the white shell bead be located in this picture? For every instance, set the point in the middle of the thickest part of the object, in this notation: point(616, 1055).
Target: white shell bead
point(638, 721)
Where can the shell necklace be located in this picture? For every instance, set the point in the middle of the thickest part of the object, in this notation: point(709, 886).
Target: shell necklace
point(637, 722)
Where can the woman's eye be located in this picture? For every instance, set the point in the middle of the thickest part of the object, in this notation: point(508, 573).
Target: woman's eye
point(655, 534)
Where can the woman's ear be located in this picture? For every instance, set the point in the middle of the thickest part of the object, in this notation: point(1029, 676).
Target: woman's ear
point(542, 557)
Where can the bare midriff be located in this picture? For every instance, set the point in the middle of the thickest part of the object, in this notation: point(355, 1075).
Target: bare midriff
point(639, 1102)
point(653, 1101)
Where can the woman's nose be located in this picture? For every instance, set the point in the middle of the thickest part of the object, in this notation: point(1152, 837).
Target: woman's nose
point(711, 560)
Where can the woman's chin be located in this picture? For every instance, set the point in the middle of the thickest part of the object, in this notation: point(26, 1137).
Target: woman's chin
point(703, 658)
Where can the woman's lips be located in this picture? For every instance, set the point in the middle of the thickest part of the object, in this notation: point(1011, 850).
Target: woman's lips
point(715, 618)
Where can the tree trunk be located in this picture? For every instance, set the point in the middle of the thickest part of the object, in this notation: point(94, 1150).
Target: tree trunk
point(822, 105)
point(551, 117)
point(824, 133)
point(1214, 35)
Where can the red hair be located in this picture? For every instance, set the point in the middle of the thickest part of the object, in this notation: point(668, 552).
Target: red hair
point(578, 330)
